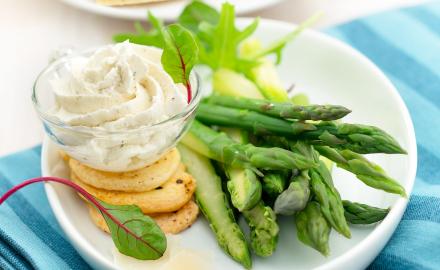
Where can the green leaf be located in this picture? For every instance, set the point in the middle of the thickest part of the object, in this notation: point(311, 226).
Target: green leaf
point(277, 46)
point(224, 47)
point(143, 37)
point(219, 39)
point(197, 12)
point(179, 55)
point(134, 234)
point(248, 30)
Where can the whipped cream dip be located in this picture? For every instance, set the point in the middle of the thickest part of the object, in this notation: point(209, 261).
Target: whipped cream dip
point(118, 95)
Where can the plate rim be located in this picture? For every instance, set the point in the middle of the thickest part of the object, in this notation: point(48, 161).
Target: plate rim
point(130, 15)
point(380, 234)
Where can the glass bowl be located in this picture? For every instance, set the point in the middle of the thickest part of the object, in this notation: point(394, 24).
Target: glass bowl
point(106, 150)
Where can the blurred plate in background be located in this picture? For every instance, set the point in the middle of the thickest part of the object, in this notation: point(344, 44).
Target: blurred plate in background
point(167, 10)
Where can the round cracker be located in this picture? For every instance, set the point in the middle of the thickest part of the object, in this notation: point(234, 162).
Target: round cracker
point(144, 179)
point(173, 223)
point(170, 197)
point(178, 221)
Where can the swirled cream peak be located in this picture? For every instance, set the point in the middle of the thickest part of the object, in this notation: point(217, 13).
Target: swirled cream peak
point(115, 93)
point(119, 87)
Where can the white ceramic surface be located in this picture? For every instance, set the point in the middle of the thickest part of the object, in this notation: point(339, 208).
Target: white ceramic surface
point(329, 72)
point(167, 10)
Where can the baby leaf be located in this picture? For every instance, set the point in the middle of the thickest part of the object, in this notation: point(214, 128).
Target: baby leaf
point(277, 46)
point(133, 233)
point(179, 55)
point(219, 40)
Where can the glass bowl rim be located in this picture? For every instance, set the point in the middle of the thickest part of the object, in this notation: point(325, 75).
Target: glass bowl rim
point(46, 117)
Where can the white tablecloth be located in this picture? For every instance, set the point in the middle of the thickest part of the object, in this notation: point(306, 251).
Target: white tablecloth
point(31, 29)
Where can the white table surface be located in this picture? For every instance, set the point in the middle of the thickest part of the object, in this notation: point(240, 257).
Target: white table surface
point(32, 29)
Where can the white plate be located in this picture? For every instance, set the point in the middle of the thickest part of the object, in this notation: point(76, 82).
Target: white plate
point(330, 72)
point(168, 10)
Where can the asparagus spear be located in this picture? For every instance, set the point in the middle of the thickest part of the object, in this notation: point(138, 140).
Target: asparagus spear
point(274, 183)
point(312, 228)
point(220, 171)
point(245, 190)
point(214, 206)
point(227, 82)
point(253, 121)
point(264, 74)
point(358, 213)
point(220, 147)
point(358, 138)
point(329, 199)
point(266, 77)
point(243, 185)
point(361, 139)
point(366, 171)
point(300, 99)
point(295, 197)
point(282, 109)
point(264, 229)
point(260, 218)
point(330, 153)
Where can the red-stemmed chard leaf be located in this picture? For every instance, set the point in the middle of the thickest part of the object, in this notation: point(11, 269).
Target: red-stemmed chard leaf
point(179, 55)
point(134, 234)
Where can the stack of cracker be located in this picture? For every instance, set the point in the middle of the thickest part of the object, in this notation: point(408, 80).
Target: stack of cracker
point(162, 190)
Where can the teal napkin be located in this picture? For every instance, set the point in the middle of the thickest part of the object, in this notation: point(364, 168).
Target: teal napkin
point(404, 43)
point(30, 237)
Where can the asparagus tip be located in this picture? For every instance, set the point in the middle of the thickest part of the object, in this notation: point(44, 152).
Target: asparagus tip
point(325, 252)
point(346, 232)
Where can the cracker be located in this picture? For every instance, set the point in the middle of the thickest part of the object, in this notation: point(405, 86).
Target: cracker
point(173, 222)
point(145, 179)
point(170, 197)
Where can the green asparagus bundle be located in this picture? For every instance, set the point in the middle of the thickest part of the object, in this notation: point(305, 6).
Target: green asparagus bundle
point(220, 147)
point(312, 228)
point(264, 229)
point(358, 213)
point(329, 199)
point(285, 110)
point(361, 139)
point(366, 171)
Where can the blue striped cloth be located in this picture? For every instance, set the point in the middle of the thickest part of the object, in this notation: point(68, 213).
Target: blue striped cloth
point(405, 44)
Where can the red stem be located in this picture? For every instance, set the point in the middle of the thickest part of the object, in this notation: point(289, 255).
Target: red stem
point(189, 91)
point(183, 66)
point(83, 192)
